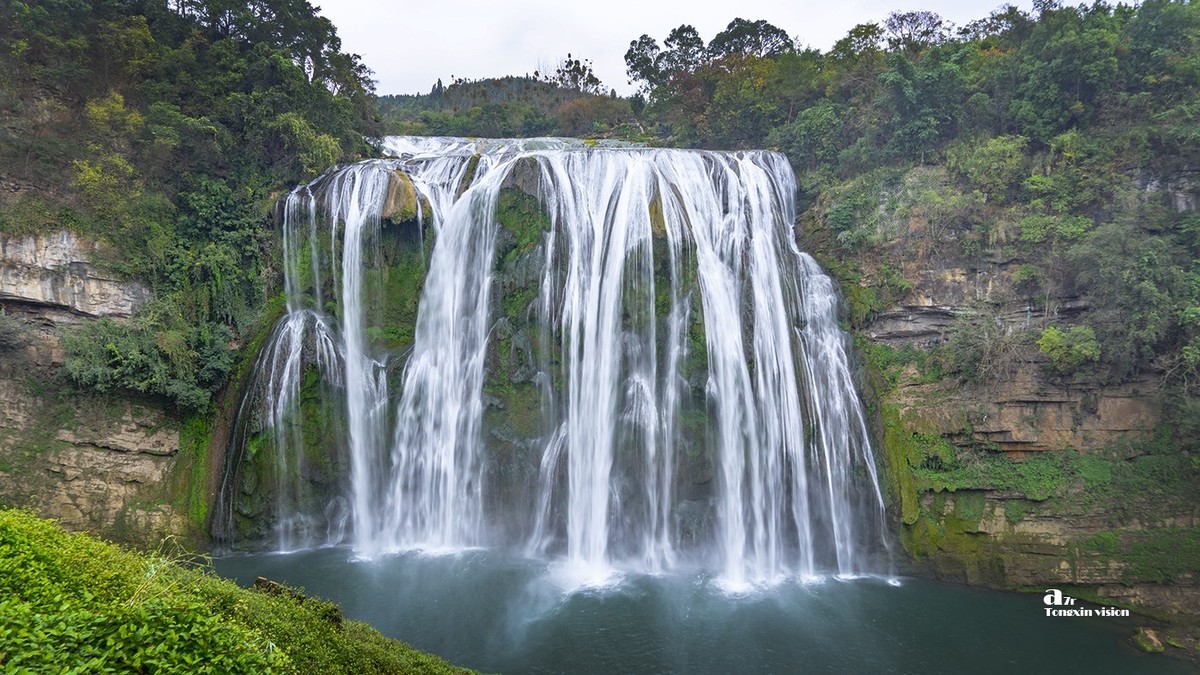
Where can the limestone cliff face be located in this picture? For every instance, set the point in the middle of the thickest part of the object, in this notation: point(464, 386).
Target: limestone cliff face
point(1022, 477)
point(1021, 408)
point(97, 463)
point(1026, 413)
point(54, 273)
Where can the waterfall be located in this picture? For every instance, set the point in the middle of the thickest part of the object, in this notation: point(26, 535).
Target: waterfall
point(637, 370)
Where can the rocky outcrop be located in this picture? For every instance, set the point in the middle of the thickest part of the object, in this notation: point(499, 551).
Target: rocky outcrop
point(1025, 412)
point(96, 463)
point(403, 203)
point(99, 464)
point(1024, 409)
point(55, 273)
point(942, 293)
point(1182, 190)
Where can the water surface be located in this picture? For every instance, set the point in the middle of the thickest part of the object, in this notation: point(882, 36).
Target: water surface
point(499, 613)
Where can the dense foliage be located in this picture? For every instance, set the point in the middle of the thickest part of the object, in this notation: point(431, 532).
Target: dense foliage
point(175, 122)
point(71, 603)
point(1058, 141)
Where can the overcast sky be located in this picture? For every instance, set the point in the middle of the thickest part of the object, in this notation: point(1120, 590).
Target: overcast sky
point(410, 45)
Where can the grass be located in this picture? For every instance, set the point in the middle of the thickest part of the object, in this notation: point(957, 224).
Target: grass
point(72, 603)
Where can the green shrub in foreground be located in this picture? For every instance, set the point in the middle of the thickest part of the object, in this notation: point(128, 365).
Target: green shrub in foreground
point(71, 603)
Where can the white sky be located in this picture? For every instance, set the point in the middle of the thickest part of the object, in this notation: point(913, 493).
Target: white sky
point(410, 45)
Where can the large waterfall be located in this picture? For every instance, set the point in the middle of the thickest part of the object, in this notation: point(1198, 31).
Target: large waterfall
point(614, 357)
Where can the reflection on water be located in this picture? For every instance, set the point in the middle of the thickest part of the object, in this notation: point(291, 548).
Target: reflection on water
point(498, 613)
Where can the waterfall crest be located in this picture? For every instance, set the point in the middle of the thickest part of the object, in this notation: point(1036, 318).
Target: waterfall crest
point(674, 382)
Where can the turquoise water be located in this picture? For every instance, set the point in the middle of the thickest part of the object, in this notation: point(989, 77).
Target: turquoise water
point(499, 613)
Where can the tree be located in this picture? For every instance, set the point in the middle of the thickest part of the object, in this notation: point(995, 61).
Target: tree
point(914, 32)
point(811, 138)
point(926, 100)
point(1069, 350)
point(576, 75)
point(1069, 58)
point(685, 51)
point(757, 38)
point(744, 106)
point(642, 63)
point(995, 167)
point(1006, 28)
point(1136, 287)
point(862, 40)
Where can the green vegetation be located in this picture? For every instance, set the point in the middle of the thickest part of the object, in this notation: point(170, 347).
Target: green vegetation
point(571, 101)
point(524, 216)
point(1161, 555)
point(182, 362)
point(928, 462)
point(1136, 490)
point(1018, 136)
point(176, 123)
point(194, 438)
point(73, 603)
point(1069, 350)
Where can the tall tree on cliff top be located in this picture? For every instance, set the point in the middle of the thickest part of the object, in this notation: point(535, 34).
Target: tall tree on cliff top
point(751, 38)
point(914, 32)
point(684, 51)
point(576, 75)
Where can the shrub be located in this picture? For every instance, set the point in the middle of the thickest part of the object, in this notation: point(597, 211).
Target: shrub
point(180, 362)
point(71, 603)
point(1069, 350)
point(994, 167)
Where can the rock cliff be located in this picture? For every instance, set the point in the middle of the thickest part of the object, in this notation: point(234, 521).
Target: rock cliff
point(1010, 473)
point(97, 463)
point(54, 274)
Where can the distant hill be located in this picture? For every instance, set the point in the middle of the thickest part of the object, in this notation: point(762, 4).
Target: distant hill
point(510, 106)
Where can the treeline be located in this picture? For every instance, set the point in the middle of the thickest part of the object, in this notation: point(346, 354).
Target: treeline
point(161, 128)
point(569, 101)
point(909, 85)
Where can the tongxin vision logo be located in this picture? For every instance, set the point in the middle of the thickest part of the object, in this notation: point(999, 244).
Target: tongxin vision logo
point(1059, 604)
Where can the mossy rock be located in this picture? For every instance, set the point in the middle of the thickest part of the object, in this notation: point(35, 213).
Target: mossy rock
point(403, 204)
point(1147, 640)
point(525, 176)
point(525, 219)
point(314, 478)
point(468, 175)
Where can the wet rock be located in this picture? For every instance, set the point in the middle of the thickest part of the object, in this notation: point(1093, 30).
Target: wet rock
point(1147, 640)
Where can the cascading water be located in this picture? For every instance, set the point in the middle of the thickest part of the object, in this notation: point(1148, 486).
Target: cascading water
point(689, 395)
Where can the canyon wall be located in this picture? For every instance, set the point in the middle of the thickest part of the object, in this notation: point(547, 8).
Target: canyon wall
point(96, 462)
